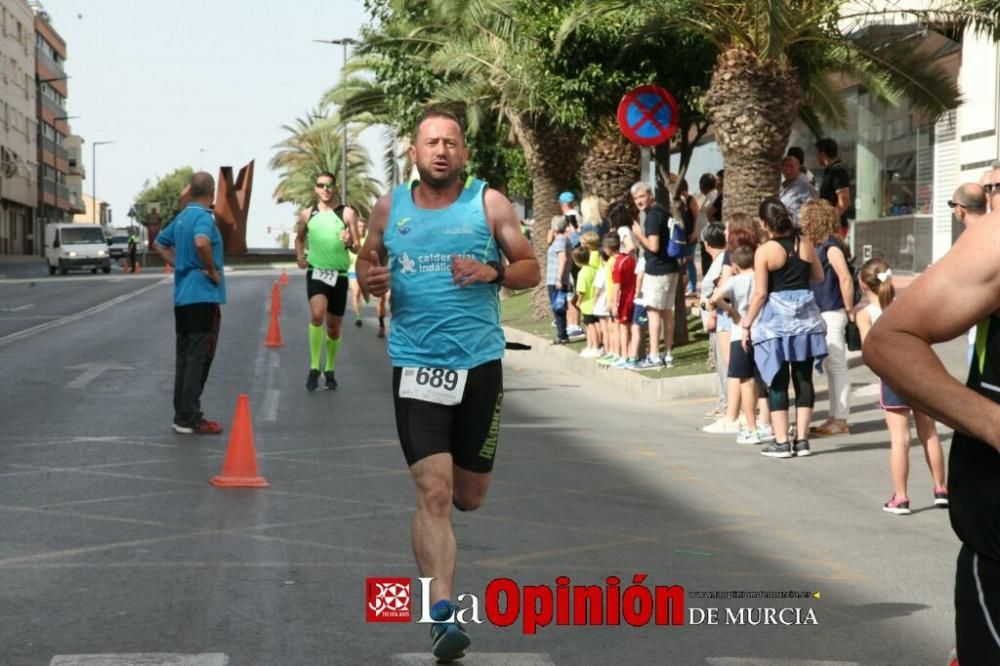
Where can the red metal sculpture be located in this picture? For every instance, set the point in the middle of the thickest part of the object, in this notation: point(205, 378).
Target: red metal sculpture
point(232, 206)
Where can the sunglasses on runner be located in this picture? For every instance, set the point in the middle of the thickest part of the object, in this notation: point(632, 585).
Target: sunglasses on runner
point(326, 186)
point(992, 187)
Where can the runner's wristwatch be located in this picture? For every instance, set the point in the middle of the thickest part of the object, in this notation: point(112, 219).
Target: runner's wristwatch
point(498, 267)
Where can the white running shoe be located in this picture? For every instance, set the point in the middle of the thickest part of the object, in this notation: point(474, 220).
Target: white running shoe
point(722, 427)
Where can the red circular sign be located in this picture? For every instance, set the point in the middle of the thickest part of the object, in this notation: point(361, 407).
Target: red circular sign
point(648, 115)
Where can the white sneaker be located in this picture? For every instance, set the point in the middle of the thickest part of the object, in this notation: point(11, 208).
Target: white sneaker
point(590, 352)
point(749, 437)
point(668, 360)
point(575, 332)
point(722, 427)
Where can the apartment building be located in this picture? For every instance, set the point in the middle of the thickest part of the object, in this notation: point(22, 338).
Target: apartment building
point(54, 156)
point(18, 150)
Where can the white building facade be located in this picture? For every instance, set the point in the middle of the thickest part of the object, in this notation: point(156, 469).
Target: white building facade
point(18, 128)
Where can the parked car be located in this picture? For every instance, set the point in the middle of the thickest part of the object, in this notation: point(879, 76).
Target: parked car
point(74, 246)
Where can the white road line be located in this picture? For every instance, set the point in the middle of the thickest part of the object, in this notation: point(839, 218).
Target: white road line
point(477, 659)
point(28, 332)
point(751, 661)
point(27, 306)
point(141, 659)
point(271, 400)
point(92, 371)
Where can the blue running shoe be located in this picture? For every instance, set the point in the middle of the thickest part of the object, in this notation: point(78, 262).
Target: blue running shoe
point(449, 641)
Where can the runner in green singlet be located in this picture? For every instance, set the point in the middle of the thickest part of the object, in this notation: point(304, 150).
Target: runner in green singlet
point(324, 235)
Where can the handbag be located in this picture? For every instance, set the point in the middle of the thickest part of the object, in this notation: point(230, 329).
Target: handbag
point(853, 335)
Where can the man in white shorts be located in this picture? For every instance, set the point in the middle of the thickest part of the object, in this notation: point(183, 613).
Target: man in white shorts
point(659, 286)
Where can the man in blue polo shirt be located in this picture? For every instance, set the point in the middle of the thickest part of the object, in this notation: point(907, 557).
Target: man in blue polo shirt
point(192, 244)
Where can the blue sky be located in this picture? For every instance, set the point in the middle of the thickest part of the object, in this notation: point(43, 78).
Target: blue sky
point(164, 80)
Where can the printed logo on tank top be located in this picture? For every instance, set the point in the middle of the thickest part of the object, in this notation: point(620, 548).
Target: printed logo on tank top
point(427, 263)
point(403, 227)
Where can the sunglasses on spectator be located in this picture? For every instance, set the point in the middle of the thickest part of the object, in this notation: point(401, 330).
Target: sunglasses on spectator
point(992, 187)
point(955, 204)
point(326, 186)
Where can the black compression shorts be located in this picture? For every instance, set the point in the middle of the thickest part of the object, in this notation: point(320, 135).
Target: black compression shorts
point(977, 609)
point(336, 296)
point(468, 430)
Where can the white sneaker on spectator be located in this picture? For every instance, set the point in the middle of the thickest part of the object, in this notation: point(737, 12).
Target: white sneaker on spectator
point(748, 437)
point(590, 352)
point(575, 332)
point(668, 360)
point(722, 427)
point(650, 363)
point(765, 432)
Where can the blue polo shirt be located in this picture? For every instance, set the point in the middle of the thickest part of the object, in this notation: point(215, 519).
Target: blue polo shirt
point(191, 285)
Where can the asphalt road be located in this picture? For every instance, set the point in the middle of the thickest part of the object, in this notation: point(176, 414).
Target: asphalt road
point(115, 544)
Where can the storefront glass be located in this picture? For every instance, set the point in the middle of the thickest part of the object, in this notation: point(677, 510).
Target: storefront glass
point(887, 151)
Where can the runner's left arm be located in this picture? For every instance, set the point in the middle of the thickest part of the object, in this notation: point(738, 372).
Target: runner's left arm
point(523, 271)
point(351, 219)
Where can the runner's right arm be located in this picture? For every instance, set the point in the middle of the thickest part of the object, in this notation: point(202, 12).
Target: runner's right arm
point(898, 348)
point(373, 271)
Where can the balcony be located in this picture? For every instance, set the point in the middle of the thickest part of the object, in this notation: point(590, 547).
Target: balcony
point(54, 67)
point(53, 108)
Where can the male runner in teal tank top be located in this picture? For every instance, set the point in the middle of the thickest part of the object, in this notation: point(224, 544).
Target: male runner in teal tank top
point(899, 350)
point(437, 243)
point(329, 231)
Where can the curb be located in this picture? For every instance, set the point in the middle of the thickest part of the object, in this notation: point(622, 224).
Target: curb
point(630, 383)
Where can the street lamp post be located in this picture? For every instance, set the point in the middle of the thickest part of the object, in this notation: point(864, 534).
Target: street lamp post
point(93, 177)
point(345, 42)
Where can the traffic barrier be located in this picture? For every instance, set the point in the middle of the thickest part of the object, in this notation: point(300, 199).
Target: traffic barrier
point(273, 338)
point(239, 469)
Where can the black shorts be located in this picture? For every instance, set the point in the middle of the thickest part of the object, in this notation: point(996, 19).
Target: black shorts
point(977, 614)
point(741, 365)
point(589, 319)
point(468, 430)
point(336, 296)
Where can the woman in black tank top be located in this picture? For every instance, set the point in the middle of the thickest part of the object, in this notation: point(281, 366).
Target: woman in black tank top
point(784, 325)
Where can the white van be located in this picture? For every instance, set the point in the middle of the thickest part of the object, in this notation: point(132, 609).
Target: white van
point(73, 246)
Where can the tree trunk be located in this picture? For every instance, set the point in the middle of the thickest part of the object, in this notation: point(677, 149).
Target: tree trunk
point(752, 105)
point(552, 155)
point(611, 165)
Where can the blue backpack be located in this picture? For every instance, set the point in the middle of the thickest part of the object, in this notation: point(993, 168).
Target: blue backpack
point(677, 242)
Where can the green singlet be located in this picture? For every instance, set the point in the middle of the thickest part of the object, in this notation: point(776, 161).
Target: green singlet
point(326, 250)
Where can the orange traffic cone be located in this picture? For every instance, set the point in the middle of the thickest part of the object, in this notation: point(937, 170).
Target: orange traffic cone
point(284, 278)
point(276, 297)
point(239, 469)
point(273, 338)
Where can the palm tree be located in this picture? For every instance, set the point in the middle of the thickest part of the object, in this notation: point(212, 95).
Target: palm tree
point(777, 59)
point(611, 164)
point(493, 68)
point(314, 144)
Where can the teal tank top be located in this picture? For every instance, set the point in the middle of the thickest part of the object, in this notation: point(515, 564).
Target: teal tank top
point(436, 323)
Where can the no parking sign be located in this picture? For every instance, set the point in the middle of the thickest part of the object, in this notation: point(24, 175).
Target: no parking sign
point(648, 115)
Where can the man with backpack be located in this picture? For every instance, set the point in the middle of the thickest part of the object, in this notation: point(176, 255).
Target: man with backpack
point(662, 241)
